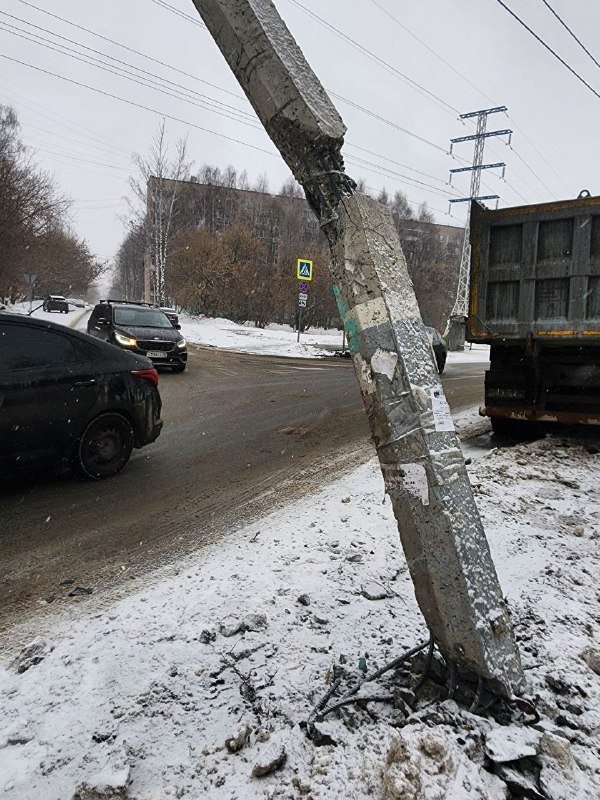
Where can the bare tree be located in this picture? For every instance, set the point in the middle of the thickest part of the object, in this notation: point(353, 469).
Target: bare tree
point(156, 189)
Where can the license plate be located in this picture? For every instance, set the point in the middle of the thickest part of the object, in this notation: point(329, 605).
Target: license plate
point(155, 354)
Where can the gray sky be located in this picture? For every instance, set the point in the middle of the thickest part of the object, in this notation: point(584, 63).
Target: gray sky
point(87, 138)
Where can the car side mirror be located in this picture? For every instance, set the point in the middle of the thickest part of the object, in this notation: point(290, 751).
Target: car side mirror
point(177, 326)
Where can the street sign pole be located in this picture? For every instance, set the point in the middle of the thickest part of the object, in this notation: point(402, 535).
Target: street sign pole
point(304, 273)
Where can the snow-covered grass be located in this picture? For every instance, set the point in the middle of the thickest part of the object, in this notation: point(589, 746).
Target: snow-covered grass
point(70, 320)
point(281, 340)
point(241, 641)
point(274, 340)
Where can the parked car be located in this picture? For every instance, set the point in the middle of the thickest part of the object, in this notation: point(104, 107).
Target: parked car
point(56, 302)
point(172, 314)
point(67, 397)
point(139, 328)
point(440, 350)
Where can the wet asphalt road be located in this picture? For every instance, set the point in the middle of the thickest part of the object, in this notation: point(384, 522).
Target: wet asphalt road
point(241, 434)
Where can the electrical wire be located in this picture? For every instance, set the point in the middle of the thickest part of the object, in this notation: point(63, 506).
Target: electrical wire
point(179, 13)
point(564, 24)
point(547, 46)
point(137, 105)
point(237, 95)
point(204, 101)
point(380, 61)
point(431, 50)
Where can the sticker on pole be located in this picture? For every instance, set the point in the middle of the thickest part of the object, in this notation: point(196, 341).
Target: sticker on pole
point(305, 270)
point(442, 418)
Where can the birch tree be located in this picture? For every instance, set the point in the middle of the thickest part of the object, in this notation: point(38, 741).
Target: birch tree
point(157, 188)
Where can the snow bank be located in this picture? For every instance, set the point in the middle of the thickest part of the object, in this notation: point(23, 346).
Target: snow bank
point(70, 320)
point(196, 686)
point(274, 340)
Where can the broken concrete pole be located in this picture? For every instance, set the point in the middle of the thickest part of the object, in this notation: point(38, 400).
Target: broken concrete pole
point(422, 463)
point(288, 99)
point(455, 581)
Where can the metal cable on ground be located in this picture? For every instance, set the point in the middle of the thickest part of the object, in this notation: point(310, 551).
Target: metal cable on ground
point(350, 696)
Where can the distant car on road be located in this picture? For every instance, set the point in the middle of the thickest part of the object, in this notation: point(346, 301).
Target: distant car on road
point(56, 302)
point(173, 316)
point(440, 350)
point(139, 328)
point(67, 397)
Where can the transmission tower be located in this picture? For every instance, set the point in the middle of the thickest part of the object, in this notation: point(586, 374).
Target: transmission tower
point(456, 323)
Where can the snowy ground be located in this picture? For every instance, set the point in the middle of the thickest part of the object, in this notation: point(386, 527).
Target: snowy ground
point(281, 340)
point(274, 340)
point(184, 689)
point(71, 320)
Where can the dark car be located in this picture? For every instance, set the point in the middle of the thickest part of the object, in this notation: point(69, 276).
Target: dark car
point(173, 316)
point(439, 348)
point(139, 328)
point(56, 302)
point(67, 397)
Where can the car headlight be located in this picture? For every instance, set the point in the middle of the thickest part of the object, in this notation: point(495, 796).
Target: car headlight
point(181, 343)
point(126, 341)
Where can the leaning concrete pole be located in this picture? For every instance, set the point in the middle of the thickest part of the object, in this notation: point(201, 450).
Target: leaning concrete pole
point(448, 555)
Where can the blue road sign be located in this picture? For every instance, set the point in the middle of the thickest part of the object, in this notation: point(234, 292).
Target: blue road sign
point(304, 270)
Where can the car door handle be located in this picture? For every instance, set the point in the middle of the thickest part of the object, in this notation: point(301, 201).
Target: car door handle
point(89, 382)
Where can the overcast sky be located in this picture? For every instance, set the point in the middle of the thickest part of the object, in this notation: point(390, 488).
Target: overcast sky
point(463, 54)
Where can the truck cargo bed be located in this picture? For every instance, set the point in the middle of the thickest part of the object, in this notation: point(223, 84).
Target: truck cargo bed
point(535, 272)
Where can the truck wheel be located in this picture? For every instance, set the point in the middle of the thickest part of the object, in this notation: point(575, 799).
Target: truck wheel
point(104, 447)
point(515, 428)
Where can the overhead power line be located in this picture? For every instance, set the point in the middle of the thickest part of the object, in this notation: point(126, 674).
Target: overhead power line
point(179, 13)
point(237, 95)
point(547, 46)
point(137, 105)
point(215, 86)
point(110, 63)
point(430, 49)
point(374, 57)
point(564, 24)
point(152, 84)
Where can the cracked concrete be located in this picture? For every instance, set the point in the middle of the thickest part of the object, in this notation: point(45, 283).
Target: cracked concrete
point(455, 581)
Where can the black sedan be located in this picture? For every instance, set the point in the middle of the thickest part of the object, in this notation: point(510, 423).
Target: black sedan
point(67, 397)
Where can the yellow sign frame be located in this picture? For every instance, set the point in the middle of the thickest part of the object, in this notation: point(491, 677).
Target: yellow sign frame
point(308, 277)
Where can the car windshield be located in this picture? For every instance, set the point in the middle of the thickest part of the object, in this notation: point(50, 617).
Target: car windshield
point(141, 318)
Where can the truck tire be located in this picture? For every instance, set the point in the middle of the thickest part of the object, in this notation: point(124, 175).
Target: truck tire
point(515, 428)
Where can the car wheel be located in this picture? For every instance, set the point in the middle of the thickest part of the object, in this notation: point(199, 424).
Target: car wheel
point(179, 368)
point(105, 446)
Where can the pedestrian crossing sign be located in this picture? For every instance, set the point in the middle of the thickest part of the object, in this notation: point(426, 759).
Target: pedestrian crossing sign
point(305, 270)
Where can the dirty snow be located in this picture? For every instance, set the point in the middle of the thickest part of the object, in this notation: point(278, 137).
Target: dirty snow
point(195, 687)
point(71, 320)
